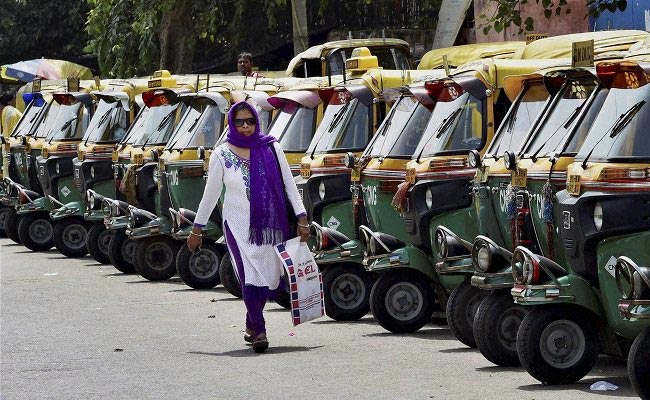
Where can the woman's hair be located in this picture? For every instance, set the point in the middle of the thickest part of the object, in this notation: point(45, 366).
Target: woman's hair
point(7, 96)
point(240, 107)
point(245, 55)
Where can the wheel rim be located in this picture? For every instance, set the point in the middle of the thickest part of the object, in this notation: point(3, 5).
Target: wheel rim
point(74, 236)
point(204, 264)
point(562, 344)
point(507, 327)
point(472, 306)
point(159, 256)
point(404, 301)
point(3, 216)
point(41, 231)
point(103, 241)
point(127, 250)
point(348, 291)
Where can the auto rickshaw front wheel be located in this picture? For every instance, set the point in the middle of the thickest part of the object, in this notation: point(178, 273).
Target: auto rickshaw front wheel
point(347, 291)
point(228, 277)
point(36, 231)
point(462, 305)
point(98, 241)
point(402, 301)
point(495, 328)
point(70, 236)
point(558, 344)
point(120, 251)
point(155, 257)
point(200, 270)
point(638, 366)
point(4, 211)
point(12, 219)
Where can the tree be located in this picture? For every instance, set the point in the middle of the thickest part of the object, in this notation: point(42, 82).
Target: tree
point(507, 12)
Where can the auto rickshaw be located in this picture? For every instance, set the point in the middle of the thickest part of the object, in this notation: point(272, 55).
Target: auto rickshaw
point(458, 55)
point(471, 102)
point(574, 308)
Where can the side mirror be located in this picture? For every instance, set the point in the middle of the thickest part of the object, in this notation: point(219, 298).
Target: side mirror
point(349, 160)
point(200, 153)
point(474, 159)
point(510, 160)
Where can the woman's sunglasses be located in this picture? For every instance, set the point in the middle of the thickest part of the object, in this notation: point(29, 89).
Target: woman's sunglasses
point(240, 122)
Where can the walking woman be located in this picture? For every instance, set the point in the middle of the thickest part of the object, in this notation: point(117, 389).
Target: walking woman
point(255, 174)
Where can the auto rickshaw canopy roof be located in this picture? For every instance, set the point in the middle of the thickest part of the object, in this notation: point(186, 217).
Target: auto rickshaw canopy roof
point(459, 55)
point(513, 84)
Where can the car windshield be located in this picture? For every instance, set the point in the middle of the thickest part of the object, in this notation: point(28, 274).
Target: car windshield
point(620, 129)
point(399, 135)
point(29, 119)
point(293, 126)
point(158, 124)
point(201, 126)
point(333, 113)
point(70, 123)
point(108, 124)
point(523, 113)
point(350, 133)
point(47, 121)
point(561, 120)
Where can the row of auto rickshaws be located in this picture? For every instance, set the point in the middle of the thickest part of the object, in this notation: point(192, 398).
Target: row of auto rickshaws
point(502, 185)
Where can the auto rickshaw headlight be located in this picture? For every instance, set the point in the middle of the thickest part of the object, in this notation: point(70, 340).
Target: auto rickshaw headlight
point(57, 168)
point(92, 172)
point(441, 244)
point(428, 198)
point(155, 175)
point(321, 190)
point(349, 160)
point(598, 216)
point(632, 280)
point(487, 256)
point(523, 267)
point(474, 159)
point(509, 160)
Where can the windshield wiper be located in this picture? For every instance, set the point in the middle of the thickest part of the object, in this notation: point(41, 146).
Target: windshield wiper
point(565, 125)
point(335, 121)
point(162, 124)
point(64, 127)
point(617, 127)
point(443, 127)
point(100, 123)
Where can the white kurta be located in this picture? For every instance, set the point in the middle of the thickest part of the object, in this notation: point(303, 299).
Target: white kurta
point(262, 267)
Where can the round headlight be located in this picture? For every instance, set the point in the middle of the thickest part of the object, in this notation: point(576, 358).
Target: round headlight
point(474, 159)
point(91, 198)
point(428, 198)
point(598, 216)
point(57, 168)
point(372, 246)
point(321, 190)
point(441, 244)
point(509, 160)
point(349, 160)
point(92, 171)
point(483, 259)
point(156, 175)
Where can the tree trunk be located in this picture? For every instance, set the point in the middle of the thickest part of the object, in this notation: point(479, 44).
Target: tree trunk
point(177, 40)
point(300, 30)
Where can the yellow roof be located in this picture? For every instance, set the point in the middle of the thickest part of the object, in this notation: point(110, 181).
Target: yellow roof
point(493, 71)
point(513, 84)
point(560, 46)
point(459, 55)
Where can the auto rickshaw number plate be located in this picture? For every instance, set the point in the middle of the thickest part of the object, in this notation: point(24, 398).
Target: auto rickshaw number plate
point(482, 174)
point(355, 175)
point(573, 185)
point(115, 156)
point(519, 176)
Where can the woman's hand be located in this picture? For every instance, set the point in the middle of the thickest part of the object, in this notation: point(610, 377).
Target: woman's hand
point(303, 229)
point(194, 240)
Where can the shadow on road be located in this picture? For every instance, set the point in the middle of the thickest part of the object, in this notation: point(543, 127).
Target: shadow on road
point(172, 281)
point(495, 369)
point(463, 349)
point(366, 320)
point(429, 334)
point(249, 352)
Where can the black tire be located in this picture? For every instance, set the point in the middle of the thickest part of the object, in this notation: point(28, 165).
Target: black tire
point(495, 328)
point(402, 301)
point(228, 277)
point(11, 225)
point(70, 236)
point(98, 241)
point(4, 210)
point(558, 345)
point(638, 366)
point(462, 305)
point(155, 257)
point(120, 251)
point(200, 270)
point(347, 291)
point(36, 231)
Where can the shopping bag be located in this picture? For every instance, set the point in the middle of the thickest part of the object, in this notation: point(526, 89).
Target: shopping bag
point(305, 281)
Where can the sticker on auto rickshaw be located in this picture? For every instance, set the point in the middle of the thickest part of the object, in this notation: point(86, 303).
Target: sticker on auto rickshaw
point(531, 37)
point(519, 176)
point(73, 84)
point(355, 175)
point(482, 174)
point(36, 85)
point(573, 185)
point(154, 83)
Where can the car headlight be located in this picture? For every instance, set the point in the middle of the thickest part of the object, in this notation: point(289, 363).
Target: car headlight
point(57, 168)
point(321, 190)
point(428, 198)
point(92, 172)
point(598, 216)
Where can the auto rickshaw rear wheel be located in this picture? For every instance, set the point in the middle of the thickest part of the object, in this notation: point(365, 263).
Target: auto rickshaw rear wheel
point(11, 225)
point(495, 328)
point(70, 236)
point(4, 210)
point(638, 366)
point(120, 251)
point(36, 231)
point(200, 270)
point(558, 344)
point(98, 241)
point(155, 257)
point(347, 291)
point(462, 305)
point(228, 277)
point(402, 301)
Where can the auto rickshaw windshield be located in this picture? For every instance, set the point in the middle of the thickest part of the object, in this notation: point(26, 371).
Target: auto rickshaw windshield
point(201, 126)
point(620, 129)
point(333, 113)
point(70, 123)
point(400, 134)
point(158, 124)
point(108, 124)
point(44, 126)
point(513, 130)
point(29, 119)
point(560, 121)
point(350, 132)
point(293, 126)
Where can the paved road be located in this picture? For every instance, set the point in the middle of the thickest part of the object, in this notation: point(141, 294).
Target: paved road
point(73, 329)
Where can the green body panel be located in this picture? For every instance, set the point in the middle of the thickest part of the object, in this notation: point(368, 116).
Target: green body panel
point(185, 192)
point(105, 188)
point(383, 217)
point(535, 188)
point(95, 216)
point(40, 204)
point(74, 209)
point(342, 212)
point(210, 231)
point(494, 221)
point(67, 191)
point(22, 160)
point(634, 246)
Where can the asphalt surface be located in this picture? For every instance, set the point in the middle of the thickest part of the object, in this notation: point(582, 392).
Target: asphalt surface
point(74, 329)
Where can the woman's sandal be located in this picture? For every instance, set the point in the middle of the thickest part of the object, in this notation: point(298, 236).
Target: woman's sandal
point(260, 343)
point(248, 336)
